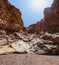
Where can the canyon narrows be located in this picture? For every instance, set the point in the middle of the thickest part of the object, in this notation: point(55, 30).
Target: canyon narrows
point(39, 38)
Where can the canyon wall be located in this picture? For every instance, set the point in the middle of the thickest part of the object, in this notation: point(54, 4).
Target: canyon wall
point(10, 17)
point(39, 38)
point(50, 22)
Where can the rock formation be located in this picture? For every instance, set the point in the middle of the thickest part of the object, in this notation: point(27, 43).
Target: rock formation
point(10, 17)
point(51, 17)
point(41, 38)
point(49, 26)
point(36, 28)
point(51, 20)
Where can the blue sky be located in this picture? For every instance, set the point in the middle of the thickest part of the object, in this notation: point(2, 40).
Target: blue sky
point(30, 12)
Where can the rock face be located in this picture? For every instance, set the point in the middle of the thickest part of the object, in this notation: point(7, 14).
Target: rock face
point(51, 17)
point(51, 20)
point(35, 28)
point(10, 17)
point(29, 43)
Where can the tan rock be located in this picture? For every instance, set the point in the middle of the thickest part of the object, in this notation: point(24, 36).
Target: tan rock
point(21, 46)
point(6, 49)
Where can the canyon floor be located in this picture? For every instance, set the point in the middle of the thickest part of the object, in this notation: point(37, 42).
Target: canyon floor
point(28, 59)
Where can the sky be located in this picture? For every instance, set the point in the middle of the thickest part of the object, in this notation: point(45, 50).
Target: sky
point(32, 10)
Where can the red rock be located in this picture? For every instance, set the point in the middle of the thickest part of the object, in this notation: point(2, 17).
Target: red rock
point(10, 17)
point(35, 28)
point(51, 17)
point(50, 22)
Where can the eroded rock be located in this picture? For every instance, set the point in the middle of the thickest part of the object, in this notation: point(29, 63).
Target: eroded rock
point(39, 38)
point(50, 22)
point(10, 17)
